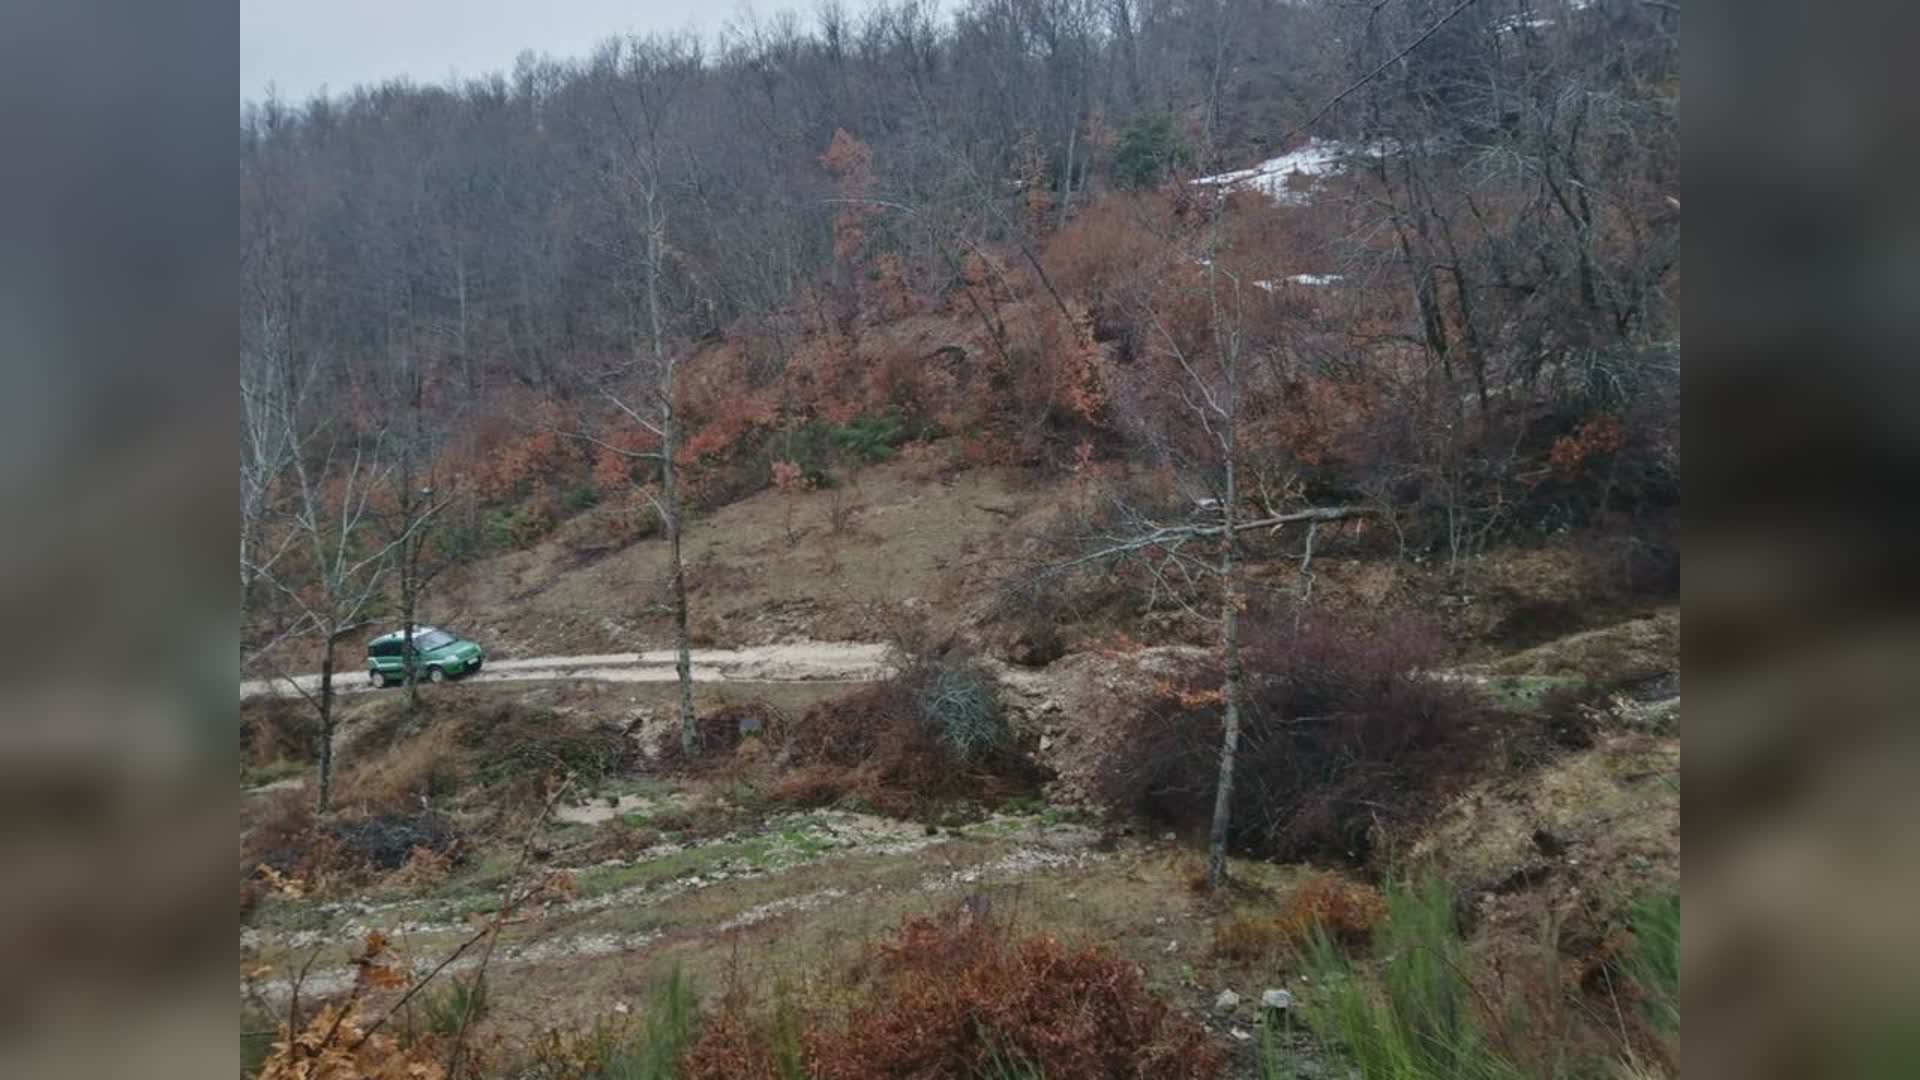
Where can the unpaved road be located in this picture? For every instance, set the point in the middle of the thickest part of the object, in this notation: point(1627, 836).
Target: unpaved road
point(840, 661)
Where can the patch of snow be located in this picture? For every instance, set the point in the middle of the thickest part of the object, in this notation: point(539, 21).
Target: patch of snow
point(1315, 280)
point(1273, 177)
point(1521, 22)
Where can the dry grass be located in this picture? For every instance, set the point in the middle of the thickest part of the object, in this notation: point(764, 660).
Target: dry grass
point(403, 777)
point(1625, 651)
point(1608, 818)
point(749, 585)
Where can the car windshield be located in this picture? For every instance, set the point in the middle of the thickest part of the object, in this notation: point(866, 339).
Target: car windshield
point(431, 640)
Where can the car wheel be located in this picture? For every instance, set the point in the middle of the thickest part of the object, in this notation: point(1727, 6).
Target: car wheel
point(374, 678)
point(434, 674)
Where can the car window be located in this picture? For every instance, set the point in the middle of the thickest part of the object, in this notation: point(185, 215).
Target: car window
point(384, 648)
point(432, 639)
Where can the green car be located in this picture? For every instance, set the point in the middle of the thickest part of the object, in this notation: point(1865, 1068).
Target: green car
point(441, 656)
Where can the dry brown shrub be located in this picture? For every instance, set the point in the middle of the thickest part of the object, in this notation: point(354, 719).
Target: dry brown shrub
point(734, 1044)
point(952, 998)
point(1346, 911)
point(1247, 938)
point(340, 1041)
point(423, 869)
point(813, 786)
point(962, 997)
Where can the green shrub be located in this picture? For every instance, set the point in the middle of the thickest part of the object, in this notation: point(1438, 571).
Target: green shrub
point(1654, 963)
point(657, 1049)
point(649, 1047)
point(582, 496)
point(463, 539)
point(516, 527)
point(810, 446)
point(871, 438)
point(1148, 148)
point(461, 1005)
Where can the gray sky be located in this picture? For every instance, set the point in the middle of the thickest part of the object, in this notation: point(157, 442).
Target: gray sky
point(302, 45)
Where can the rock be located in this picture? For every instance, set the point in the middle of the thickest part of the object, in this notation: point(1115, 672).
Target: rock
point(1227, 1001)
point(1237, 1033)
point(1277, 999)
point(1172, 947)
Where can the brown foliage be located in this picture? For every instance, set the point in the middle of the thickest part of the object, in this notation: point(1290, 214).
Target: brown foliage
point(1346, 911)
point(950, 998)
point(521, 461)
point(960, 997)
point(339, 1041)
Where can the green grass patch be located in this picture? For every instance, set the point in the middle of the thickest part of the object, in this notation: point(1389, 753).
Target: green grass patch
point(605, 879)
point(651, 1046)
point(1654, 963)
point(1413, 1016)
point(253, 776)
point(1524, 693)
point(451, 1011)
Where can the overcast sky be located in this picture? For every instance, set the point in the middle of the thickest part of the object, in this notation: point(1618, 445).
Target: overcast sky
point(300, 46)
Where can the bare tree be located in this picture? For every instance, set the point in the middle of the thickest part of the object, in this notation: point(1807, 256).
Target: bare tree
point(341, 569)
point(410, 515)
point(1187, 404)
point(639, 95)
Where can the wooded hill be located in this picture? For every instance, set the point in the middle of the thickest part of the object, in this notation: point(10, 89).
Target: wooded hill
point(810, 239)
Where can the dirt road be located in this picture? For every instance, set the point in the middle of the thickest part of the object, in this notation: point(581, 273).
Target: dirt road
point(798, 661)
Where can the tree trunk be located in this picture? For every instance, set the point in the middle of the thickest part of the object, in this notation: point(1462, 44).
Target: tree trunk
point(669, 478)
point(408, 604)
point(325, 801)
point(683, 659)
point(1066, 177)
point(1230, 692)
